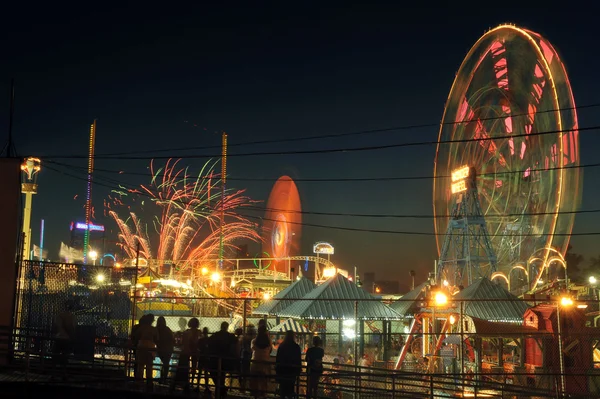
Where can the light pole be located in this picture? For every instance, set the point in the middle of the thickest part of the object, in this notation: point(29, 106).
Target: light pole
point(594, 284)
point(30, 167)
point(93, 256)
point(565, 302)
point(440, 299)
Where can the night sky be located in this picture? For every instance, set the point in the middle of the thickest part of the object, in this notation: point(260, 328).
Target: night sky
point(171, 77)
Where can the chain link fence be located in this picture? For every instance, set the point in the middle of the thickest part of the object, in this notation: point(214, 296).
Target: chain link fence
point(431, 352)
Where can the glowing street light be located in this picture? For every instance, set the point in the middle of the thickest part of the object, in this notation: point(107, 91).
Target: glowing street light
point(440, 299)
point(266, 296)
point(329, 272)
point(204, 271)
point(216, 277)
point(100, 277)
point(93, 256)
point(593, 280)
point(565, 301)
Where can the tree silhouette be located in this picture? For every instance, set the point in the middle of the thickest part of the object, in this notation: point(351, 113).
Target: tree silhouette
point(574, 260)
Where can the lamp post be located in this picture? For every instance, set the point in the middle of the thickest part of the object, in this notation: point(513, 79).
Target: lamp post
point(594, 284)
point(565, 302)
point(93, 256)
point(440, 299)
point(29, 187)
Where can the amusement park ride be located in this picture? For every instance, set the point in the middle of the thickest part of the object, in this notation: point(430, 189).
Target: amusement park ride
point(506, 177)
point(506, 180)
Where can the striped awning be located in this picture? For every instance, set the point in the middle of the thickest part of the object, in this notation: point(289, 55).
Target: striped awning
point(291, 325)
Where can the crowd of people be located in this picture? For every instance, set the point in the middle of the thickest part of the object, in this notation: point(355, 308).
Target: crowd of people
point(246, 356)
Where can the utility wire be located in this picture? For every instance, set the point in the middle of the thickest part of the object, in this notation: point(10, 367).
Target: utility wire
point(416, 233)
point(346, 134)
point(330, 150)
point(341, 179)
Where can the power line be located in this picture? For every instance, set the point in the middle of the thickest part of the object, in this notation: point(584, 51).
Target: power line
point(331, 150)
point(342, 179)
point(346, 134)
point(344, 228)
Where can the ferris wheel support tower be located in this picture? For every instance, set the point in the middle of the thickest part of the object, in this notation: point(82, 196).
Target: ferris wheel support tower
point(467, 251)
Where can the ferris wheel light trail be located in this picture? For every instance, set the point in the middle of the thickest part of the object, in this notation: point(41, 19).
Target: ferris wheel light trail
point(507, 77)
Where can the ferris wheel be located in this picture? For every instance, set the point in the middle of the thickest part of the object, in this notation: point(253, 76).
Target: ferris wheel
point(512, 87)
point(282, 224)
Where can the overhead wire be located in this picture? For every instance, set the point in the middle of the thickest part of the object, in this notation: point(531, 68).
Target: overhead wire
point(328, 150)
point(347, 179)
point(347, 134)
point(354, 228)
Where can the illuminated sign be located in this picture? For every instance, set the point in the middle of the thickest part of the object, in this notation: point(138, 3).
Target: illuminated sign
point(459, 187)
point(92, 227)
point(460, 174)
point(323, 248)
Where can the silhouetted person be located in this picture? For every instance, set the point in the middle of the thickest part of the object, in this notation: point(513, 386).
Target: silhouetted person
point(261, 366)
point(222, 345)
point(246, 356)
point(146, 337)
point(288, 364)
point(203, 357)
point(165, 346)
point(188, 357)
point(314, 367)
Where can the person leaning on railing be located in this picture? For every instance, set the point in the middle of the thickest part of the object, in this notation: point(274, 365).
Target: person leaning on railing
point(314, 367)
point(288, 365)
point(188, 355)
point(223, 345)
point(146, 337)
point(261, 367)
point(165, 346)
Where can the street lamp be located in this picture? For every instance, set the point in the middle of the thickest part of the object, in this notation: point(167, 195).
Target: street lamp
point(565, 302)
point(93, 256)
point(594, 283)
point(440, 299)
point(100, 278)
point(215, 277)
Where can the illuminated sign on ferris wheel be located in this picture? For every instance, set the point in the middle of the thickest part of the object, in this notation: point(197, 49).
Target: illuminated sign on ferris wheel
point(459, 176)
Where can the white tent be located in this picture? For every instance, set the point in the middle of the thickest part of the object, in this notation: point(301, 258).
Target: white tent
point(291, 325)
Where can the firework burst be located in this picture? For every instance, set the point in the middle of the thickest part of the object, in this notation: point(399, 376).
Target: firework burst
point(184, 213)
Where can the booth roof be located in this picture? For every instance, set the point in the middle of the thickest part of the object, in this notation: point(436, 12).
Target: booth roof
point(335, 299)
point(298, 289)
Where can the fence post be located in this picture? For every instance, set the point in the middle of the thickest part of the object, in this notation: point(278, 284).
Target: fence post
point(29, 276)
point(393, 386)
point(431, 395)
point(218, 382)
point(357, 376)
point(245, 315)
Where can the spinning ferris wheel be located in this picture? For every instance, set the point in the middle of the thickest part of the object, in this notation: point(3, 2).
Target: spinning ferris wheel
point(511, 116)
point(283, 222)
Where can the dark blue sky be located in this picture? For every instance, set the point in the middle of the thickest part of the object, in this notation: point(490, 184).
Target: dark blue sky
point(264, 72)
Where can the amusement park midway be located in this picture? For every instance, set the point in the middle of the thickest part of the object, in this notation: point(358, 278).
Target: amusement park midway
point(367, 201)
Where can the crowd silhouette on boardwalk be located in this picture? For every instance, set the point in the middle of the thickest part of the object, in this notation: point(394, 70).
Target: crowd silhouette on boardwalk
point(245, 356)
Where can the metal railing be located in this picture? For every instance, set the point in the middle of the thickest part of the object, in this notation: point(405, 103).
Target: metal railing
point(447, 359)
